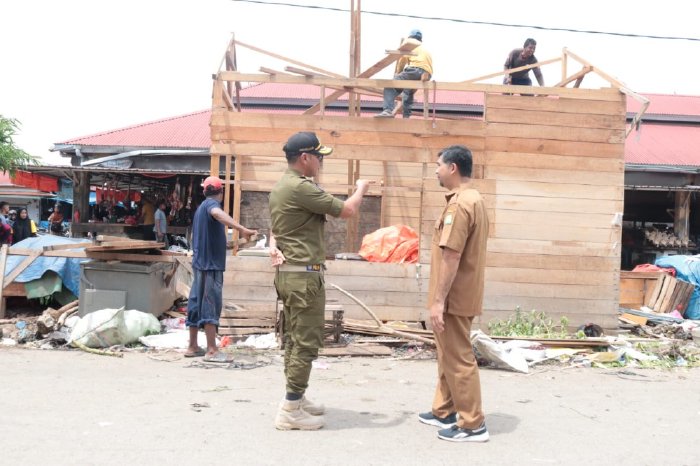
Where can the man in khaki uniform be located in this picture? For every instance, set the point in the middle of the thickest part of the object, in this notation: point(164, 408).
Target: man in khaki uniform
point(298, 209)
point(456, 293)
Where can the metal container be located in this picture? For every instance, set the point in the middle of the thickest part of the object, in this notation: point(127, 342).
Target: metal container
point(146, 287)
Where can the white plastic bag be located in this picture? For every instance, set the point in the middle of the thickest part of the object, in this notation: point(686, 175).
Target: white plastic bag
point(109, 327)
point(497, 354)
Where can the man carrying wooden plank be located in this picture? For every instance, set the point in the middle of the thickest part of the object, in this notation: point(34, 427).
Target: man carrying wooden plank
point(298, 209)
point(455, 296)
point(208, 265)
point(415, 67)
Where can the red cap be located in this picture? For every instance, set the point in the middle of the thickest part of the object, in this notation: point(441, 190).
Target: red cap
point(211, 183)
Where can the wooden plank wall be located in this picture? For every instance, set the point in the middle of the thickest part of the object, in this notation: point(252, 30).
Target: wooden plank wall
point(551, 171)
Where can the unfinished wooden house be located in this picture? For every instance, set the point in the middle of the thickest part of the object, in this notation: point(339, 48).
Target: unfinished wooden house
point(550, 166)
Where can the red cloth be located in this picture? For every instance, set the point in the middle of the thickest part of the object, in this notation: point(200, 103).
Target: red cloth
point(653, 268)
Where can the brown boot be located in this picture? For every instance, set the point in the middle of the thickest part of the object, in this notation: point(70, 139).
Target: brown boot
point(291, 416)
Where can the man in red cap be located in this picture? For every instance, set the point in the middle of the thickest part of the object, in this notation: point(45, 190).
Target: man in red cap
point(298, 209)
point(208, 265)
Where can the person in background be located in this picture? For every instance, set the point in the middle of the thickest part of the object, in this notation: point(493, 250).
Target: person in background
point(208, 264)
point(4, 212)
point(148, 219)
point(522, 57)
point(24, 227)
point(5, 228)
point(12, 217)
point(415, 67)
point(56, 221)
point(161, 224)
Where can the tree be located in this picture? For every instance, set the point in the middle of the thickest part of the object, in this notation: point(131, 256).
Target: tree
point(11, 156)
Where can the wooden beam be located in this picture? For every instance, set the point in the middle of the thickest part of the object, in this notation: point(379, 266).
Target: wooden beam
point(15, 251)
point(125, 257)
point(574, 77)
point(287, 59)
point(403, 84)
point(20, 268)
point(369, 72)
point(564, 64)
point(513, 70)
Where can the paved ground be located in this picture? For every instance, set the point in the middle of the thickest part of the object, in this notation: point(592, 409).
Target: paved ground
point(60, 407)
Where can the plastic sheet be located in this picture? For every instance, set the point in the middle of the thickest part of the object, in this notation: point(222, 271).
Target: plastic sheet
point(397, 244)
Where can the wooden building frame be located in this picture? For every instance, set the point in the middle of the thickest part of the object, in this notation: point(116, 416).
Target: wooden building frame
point(550, 166)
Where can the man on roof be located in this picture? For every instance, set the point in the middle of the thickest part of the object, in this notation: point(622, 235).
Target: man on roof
point(522, 57)
point(415, 67)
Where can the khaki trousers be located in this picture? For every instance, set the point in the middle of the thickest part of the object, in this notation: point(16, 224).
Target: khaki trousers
point(304, 298)
point(458, 388)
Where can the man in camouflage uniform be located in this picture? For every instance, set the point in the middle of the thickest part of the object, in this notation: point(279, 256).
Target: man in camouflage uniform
point(298, 209)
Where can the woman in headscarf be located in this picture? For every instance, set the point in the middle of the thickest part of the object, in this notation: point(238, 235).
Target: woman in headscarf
point(23, 227)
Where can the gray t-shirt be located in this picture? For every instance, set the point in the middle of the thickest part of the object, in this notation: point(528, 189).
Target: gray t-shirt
point(160, 221)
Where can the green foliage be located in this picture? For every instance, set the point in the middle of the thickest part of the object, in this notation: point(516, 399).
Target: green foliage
point(529, 324)
point(11, 156)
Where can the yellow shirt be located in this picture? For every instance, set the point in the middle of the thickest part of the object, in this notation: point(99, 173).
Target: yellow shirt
point(422, 59)
point(148, 214)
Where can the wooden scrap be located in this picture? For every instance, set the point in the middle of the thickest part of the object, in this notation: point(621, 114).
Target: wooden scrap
point(560, 342)
point(20, 268)
point(126, 257)
point(357, 350)
point(633, 319)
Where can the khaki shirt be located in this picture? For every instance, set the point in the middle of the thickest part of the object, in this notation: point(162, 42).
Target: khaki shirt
point(464, 228)
point(298, 209)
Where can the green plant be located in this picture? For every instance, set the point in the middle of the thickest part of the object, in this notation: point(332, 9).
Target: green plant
point(529, 324)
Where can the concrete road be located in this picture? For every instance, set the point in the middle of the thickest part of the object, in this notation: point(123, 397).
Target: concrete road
point(69, 407)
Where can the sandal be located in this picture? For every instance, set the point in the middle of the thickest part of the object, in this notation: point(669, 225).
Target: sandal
point(218, 357)
point(199, 353)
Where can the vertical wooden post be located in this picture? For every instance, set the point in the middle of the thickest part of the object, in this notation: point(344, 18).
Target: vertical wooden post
point(237, 193)
point(81, 198)
point(215, 167)
point(322, 100)
point(382, 206)
point(564, 71)
point(227, 184)
point(681, 217)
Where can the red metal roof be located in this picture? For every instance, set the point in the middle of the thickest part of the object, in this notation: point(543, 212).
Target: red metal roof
point(663, 144)
point(185, 131)
point(664, 104)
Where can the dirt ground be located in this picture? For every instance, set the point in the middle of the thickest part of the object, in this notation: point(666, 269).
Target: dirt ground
point(70, 407)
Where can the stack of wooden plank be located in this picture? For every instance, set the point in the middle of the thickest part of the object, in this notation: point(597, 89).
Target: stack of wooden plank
point(125, 249)
point(247, 319)
point(670, 294)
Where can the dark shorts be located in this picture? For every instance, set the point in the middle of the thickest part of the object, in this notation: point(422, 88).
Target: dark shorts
point(204, 304)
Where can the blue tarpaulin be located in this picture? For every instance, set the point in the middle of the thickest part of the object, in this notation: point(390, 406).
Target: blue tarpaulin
point(67, 268)
point(687, 269)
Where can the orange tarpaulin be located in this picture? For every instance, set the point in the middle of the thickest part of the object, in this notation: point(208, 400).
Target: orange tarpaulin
point(36, 181)
point(397, 243)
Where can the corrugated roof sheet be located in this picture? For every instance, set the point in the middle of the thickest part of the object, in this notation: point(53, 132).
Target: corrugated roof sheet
point(185, 131)
point(665, 104)
point(664, 144)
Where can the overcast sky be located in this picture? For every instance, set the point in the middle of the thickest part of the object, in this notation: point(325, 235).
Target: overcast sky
point(72, 68)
